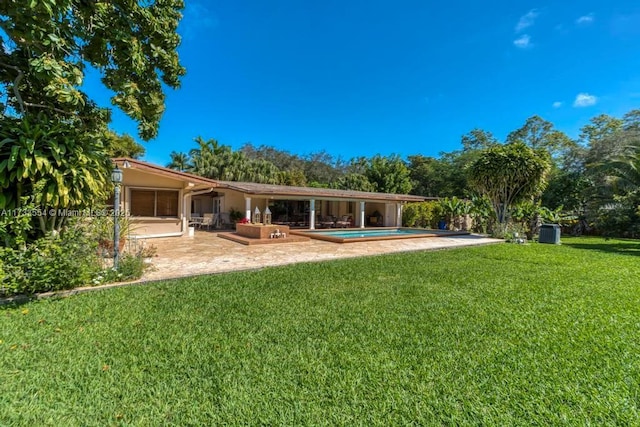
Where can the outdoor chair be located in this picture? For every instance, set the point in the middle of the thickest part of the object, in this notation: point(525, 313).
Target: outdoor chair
point(207, 221)
point(326, 222)
point(344, 221)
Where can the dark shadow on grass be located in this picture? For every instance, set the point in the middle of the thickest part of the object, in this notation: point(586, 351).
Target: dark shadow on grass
point(629, 247)
point(15, 301)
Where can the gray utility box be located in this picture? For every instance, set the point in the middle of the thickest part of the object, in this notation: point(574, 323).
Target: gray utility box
point(549, 233)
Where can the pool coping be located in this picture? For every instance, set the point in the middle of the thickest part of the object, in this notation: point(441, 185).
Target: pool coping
point(317, 234)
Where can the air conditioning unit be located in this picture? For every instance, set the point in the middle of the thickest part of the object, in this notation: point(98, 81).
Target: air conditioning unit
point(549, 233)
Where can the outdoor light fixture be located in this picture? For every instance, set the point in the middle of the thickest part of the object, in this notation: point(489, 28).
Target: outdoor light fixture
point(267, 216)
point(116, 178)
point(256, 216)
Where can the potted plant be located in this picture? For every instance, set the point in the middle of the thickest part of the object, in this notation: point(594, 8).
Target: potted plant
point(235, 215)
point(103, 229)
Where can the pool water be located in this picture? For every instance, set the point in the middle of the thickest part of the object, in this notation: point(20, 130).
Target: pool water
point(366, 235)
point(373, 233)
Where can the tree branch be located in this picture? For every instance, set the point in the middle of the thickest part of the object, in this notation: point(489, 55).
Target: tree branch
point(16, 82)
point(29, 104)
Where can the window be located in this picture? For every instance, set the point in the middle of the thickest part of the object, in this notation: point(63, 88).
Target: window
point(161, 203)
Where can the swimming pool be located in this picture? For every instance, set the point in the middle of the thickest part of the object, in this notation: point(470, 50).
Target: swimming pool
point(369, 234)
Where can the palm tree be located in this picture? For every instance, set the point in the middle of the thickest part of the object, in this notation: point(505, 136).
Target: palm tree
point(179, 161)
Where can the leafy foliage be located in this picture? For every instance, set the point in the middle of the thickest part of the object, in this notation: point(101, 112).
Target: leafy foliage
point(389, 174)
point(422, 214)
point(51, 263)
point(507, 174)
point(54, 163)
point(122, 146)
point(49, 43)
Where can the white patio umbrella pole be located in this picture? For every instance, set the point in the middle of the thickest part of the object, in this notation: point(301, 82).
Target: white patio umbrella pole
point(361, 214)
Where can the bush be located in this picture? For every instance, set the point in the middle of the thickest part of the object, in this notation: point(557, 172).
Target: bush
point(50, 263)
point(63, 261)
point(620, 219)
point(423, 214)
point(130, 267)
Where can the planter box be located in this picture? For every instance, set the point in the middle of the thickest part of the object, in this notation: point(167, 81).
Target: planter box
point(260, 231)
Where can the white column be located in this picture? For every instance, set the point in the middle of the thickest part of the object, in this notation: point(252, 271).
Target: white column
point(312, 215)
point(361, 214)
point(186, 213)
point(399, 217)
point(247, 207)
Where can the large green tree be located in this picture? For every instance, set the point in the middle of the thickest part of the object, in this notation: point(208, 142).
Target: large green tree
point(509, 173)
point(538, 133)
point(389, 174)
point(55, 143)
point(49, 43)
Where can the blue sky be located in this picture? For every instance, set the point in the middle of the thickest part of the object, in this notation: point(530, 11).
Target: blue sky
point(359, 78)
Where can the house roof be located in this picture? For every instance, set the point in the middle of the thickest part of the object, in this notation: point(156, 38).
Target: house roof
point(162, 171)
point(269, 190)
point(276, 191)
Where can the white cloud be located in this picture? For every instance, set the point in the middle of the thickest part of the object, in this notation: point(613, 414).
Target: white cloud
point(523, 41)
point(527, 20)
point(585, 100)
point(585, 20)
point(558, 104)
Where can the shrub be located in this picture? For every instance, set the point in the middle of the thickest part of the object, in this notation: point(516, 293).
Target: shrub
point(63, 261)
point(51, 263)
point(620, 218)
point(130, 267)
point(423, 214)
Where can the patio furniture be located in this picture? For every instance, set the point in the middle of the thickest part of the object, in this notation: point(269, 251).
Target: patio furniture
point(207, 221)
point(196, 221)
point(326, 222)
point(344, 221)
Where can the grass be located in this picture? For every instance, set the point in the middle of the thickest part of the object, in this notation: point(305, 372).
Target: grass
point(497, 335)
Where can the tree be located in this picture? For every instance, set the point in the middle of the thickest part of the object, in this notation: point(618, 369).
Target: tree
point(131, 43)
point(122, 146)
point(55, 144)
point(478, 139)
point(538, 133)
point(355, 182)
point(179, 161)
point(53, 166)
point(217, 161)
point(509, 173)
point(389, 174)
point(322, 168)
point(427, 175)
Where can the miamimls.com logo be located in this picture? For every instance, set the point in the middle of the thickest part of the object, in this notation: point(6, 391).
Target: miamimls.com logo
point(61, 212)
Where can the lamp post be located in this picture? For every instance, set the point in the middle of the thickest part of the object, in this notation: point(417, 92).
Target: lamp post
point(116, 178)
point(256, 216)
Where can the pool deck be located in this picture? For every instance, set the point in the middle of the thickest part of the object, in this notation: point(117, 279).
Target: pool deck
point(206, 253)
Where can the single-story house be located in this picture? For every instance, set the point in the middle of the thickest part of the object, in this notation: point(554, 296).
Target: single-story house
point(162, 201)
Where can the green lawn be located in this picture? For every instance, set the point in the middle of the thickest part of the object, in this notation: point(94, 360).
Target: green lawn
point(496, 335)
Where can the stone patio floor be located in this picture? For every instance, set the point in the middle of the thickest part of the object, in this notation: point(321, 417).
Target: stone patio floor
point(207, 253)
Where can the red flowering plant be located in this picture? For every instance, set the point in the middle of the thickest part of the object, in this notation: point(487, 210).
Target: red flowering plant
point(244, 221)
